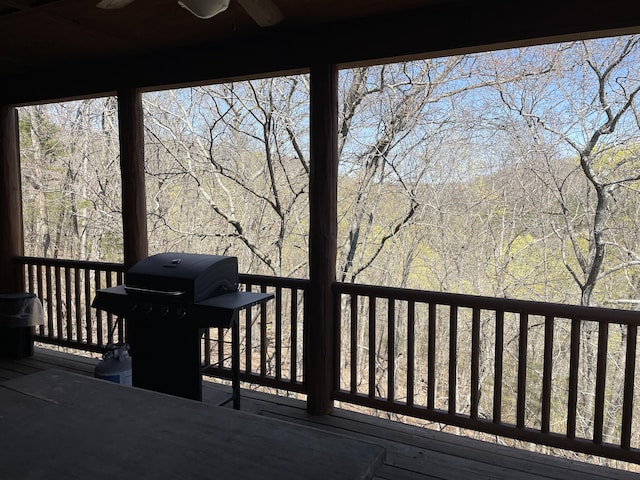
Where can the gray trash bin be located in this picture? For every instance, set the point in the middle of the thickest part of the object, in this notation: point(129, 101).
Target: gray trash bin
point(19, 313)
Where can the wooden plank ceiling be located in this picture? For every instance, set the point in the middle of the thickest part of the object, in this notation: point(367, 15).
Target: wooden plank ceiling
point(52, 49)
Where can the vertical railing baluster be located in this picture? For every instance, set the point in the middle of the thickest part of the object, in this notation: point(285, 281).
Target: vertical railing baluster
point(40, 281)
point(498, 373)
point(354, 344)
point(391, 350)
point(58, 295)
point(68, 303)
point(278, 321)
point(97, 281)
point(248, 329)
point(222, 347)
point(293, 313)
point(263, 340)
point(87, 306)
point(411, 351)
point(523, 342)
point(453, 358)
point(122, 320)
point(475, 362)
point(598, 417)
point(574, 368)
point(629, 380)
point(372, 346)
point(431, 358)
point(77, 301)
point(29, 277)
point(110, 317)
point(49, 299)
point(206, 348)
point(35, 270)
point(337, 335)
point(547, 374)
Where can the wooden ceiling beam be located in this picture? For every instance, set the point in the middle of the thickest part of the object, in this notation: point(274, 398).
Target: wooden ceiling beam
point(449, 28)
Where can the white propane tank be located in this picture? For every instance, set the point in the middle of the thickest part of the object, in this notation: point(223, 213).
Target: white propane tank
point(115, 365)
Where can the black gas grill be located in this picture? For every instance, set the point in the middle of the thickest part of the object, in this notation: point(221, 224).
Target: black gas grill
point(169, 300)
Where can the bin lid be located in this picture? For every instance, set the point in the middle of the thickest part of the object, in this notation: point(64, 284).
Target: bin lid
point(16, 296)
point(20, 309)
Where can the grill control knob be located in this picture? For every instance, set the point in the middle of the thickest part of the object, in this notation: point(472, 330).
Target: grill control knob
point(181, 312)
point(147, 307)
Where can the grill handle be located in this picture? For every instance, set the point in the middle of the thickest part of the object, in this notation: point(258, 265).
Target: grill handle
point(149, 291)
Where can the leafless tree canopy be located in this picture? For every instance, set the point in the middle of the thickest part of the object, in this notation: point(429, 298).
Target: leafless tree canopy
point(511, 173)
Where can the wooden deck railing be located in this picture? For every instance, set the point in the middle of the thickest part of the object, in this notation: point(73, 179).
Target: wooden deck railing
point(270, 335)
point(557, 375)
point(66, 289)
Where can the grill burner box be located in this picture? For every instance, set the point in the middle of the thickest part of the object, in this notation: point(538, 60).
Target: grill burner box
point(169, 300)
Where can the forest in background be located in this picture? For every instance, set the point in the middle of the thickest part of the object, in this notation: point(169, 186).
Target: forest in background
point(512, 173)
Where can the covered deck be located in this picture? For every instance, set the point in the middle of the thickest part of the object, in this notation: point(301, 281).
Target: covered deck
point(66, 49)
point(410, 452)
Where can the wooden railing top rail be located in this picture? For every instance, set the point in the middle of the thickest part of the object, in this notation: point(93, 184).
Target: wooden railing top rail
point(300, 283)
point(597, 314)
point(251, 279)
point(59, 262)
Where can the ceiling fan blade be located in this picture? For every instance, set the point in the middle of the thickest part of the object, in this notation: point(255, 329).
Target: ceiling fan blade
point(264, 12)
point(111, 4)
point(204, 8)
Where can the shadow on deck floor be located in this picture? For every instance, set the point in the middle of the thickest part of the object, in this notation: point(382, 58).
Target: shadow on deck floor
point(412, 453)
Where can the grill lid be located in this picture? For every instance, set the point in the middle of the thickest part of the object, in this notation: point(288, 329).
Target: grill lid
point(191, 277)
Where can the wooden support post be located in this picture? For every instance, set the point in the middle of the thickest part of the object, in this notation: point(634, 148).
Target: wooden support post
point(134, 208)
point(323, 194)
point(11, 233)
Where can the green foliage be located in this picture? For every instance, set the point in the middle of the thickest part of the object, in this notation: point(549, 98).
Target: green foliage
point(48, 136)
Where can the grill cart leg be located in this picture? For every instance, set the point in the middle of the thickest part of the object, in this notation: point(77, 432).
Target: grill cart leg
point(235, 366)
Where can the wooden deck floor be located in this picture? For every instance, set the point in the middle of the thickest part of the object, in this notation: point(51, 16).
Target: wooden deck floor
point(411, 452)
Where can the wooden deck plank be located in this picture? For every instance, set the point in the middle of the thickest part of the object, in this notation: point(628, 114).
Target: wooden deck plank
point(44, 359)
point(387, 472)
point(146, 434)
point(6, 374)
point(423, 445)
point(56, 359)
point(427, 450)
point(412, 453)
point(14, 368)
